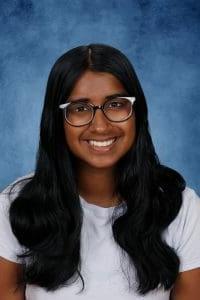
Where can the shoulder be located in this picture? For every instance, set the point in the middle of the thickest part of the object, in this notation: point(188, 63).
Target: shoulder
point(190, 199)
point(183, 234)
point(9, 246)
point(190, 208)
point(10, 192)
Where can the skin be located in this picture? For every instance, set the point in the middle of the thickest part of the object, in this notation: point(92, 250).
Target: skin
point(187, 286)
point(10, 274)
point(99, 167)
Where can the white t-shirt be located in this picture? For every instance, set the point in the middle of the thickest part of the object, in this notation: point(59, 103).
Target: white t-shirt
point(102, 260)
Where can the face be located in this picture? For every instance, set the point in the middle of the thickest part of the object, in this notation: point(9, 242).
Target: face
point(96, 86)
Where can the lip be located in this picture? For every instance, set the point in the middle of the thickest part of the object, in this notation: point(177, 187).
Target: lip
point(104, 149)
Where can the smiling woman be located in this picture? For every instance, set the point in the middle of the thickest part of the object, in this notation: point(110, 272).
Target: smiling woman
point(100, 211)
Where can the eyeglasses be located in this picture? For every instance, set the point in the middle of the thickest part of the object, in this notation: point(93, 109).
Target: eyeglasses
point(80, 113)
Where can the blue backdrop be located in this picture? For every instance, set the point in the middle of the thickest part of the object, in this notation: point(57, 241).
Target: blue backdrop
point(160, 37)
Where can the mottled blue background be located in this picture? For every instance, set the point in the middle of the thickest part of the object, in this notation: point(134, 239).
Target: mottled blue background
point(160, 37)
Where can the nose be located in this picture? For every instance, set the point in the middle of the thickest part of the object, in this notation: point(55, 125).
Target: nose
point(99, 123)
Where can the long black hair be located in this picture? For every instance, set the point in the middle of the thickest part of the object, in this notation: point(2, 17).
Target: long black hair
point(46, 216)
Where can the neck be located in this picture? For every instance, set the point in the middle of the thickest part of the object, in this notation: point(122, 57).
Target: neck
point(97, 186)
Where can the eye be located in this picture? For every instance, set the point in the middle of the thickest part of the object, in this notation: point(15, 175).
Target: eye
point(78, 107)
point(116, 103)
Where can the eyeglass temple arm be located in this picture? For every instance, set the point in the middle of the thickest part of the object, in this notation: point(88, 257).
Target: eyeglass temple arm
point(132, 99)
point(62, 106)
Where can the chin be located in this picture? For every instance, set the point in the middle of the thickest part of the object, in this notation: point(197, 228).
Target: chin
point(101, 164)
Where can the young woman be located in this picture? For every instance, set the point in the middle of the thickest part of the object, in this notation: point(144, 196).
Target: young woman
point(101, 217)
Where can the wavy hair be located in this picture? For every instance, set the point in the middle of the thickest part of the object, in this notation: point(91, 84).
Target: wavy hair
point(46, 216)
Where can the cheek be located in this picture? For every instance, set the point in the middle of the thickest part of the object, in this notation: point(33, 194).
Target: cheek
point(131, 132)
point(71, 136)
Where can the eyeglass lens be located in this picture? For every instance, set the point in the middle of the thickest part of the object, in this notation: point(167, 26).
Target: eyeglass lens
point(81, 113)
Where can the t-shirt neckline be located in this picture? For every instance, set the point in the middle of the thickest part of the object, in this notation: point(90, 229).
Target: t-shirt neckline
point(97, 210)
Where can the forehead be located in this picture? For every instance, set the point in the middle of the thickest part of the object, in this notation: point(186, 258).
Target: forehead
point(96, 85)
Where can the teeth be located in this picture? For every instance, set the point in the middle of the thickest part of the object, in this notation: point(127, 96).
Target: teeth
point(101, 144)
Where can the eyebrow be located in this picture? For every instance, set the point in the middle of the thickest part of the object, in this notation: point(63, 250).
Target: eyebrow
point(109, 97)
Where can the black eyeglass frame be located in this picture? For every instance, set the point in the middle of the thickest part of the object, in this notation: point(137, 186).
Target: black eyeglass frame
point(94, 108)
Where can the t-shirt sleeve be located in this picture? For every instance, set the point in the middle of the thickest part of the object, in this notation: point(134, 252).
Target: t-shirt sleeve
point(9, 246)
point(184, 232)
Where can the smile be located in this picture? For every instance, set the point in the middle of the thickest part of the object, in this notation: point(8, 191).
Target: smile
point(101, 146)
point(101, 143)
